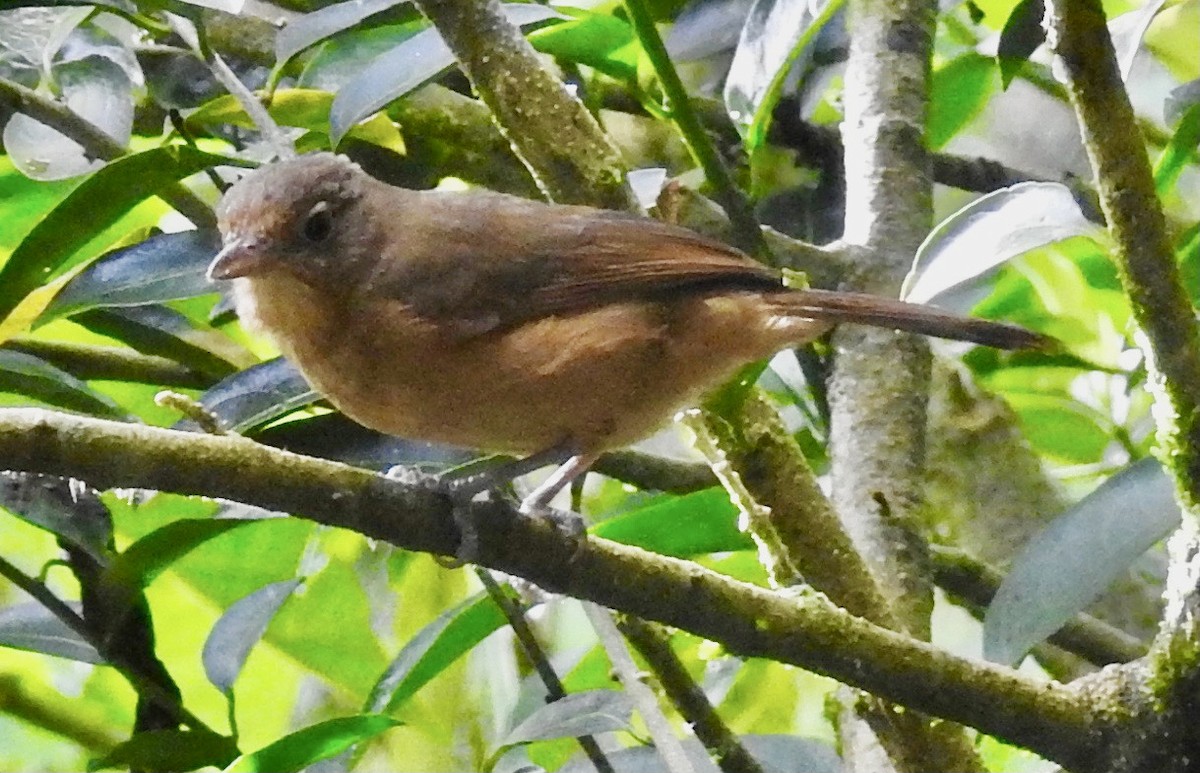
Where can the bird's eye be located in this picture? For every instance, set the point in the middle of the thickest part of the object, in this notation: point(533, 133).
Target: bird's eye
point(319, 224)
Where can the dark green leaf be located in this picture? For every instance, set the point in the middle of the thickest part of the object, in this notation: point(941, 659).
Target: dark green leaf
point(1187, 252)
point(239, 629)
point(582, 713)
point(33, 628)
point(165, 267)
point(257, 395)
point(1022, 34)
point(170, 750)
point(597, 40)
point(333, 436)
point(164, 332)
point(1075, 558)
point(449, 637)
point(66, 509)
point(682, 526)
point(313, 744)
point(33, 377)
point(51, 248)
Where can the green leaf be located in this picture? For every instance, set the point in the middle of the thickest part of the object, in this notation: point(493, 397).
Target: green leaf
point(313, 744)
point(598, 40)
point(682, 526)
point(1021, 36)
point(1179, 152)
point(440, 643)
point(958, 92)
point(1061, 427)
point(33, 377)
point(170, 750)
point(153, 554)
point(52, 247)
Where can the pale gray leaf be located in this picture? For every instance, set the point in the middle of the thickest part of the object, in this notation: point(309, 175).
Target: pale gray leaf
point(95, 88)
point(239, 629)
point(767, 44)
point(583, 713)
point(707, 27)
point(647, 184)
point(1127, 31)
point(957, 262)
point(314, 27)
point(31, 627)
point(1077, 556)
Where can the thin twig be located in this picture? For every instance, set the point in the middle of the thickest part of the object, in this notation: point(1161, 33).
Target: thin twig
point(687, 696)
point(140, 682)
point(537, 656)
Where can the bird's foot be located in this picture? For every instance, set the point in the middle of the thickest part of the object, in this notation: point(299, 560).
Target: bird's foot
point(461, 492)
point(568, 522)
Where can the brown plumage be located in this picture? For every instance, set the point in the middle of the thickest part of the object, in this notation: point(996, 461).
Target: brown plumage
point(489, 321)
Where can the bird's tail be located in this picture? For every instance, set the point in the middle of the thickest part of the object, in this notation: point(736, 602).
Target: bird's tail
point(879, 311)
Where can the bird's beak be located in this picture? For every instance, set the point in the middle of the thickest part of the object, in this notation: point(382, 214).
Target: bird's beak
point(239, 257)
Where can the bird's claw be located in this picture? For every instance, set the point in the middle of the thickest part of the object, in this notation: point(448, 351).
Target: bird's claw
point(462, 491)
point(568, 522)
point(460, 509)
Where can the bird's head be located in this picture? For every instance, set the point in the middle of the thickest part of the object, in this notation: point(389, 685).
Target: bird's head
point(299, 216)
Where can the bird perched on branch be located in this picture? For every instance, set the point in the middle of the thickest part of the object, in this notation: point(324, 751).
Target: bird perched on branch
point(489, 321)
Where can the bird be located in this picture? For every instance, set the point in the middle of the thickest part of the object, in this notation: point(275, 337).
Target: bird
point(488, 321)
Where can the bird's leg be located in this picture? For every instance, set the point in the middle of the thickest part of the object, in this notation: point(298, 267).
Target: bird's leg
point(537, 501)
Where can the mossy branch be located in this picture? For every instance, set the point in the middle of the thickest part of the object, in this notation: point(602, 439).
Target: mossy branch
point(804, 629)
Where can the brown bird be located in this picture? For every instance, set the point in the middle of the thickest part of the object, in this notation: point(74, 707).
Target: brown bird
point(493, 322)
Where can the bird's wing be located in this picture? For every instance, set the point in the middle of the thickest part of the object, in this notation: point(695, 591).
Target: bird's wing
point(492, 261)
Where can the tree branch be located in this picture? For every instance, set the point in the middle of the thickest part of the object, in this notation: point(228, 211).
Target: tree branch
point(569, 155)
point(803, 629)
